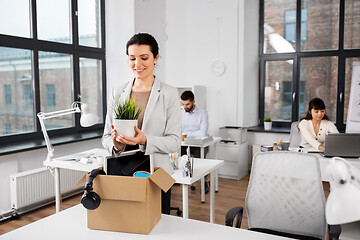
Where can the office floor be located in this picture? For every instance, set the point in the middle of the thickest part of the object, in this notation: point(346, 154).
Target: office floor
point(231, 193)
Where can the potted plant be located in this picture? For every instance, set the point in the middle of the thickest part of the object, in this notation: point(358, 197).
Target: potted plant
point(125, 117)
point(267, 123)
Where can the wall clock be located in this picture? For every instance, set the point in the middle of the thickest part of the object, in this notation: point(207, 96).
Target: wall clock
point(218, 67)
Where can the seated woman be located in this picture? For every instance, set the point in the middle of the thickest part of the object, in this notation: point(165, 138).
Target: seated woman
point(315, 125)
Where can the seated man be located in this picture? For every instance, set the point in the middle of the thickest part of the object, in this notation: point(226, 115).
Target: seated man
point(194, 121)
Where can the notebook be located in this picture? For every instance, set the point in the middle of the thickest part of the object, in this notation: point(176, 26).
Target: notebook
point(342, 145)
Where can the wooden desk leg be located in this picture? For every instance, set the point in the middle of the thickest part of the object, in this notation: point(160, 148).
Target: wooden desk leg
point(185, 200)
point(57, 190)
point(212, 197)
point(202, 155)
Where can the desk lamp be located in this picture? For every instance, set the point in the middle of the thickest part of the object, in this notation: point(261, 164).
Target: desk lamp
point(343, 203)
point(87, 119)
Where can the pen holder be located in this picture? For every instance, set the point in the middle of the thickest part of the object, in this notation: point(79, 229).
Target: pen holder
point(174, 159)
point(284, 146)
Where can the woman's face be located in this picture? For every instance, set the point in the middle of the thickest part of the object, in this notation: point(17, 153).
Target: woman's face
point(141, 61)
point(317, 114)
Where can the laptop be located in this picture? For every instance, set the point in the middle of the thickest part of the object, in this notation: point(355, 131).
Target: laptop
point(342, 145)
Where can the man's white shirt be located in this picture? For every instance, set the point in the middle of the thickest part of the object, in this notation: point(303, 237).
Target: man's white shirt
point(194, 124)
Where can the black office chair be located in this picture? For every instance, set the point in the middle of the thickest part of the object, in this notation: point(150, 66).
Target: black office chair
point(178, 210)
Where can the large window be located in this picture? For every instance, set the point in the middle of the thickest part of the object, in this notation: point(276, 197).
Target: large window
point(307, 49)
point(52, 53)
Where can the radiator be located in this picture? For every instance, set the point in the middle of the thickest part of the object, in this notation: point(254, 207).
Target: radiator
point(35, 188)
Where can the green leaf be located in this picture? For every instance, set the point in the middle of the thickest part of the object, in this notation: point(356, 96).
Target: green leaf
point(126, 110)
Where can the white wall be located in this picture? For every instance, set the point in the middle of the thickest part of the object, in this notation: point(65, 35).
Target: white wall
point(202, 31)
point(120, 17)
point(150, 18)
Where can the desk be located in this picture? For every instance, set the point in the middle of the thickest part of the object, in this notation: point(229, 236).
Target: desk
point(202, 147)
point(324, 162)
point(71, 224)
point(202, 167)
point(64, 162)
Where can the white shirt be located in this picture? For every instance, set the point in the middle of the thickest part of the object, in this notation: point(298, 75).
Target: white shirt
point(308, 136)
point(195, 123)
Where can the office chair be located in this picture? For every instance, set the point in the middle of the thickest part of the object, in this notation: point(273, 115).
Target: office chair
point(177, 209)
point(285, 196)
point(295, 135)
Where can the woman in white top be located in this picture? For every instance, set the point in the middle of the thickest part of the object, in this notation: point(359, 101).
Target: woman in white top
point(315, 125)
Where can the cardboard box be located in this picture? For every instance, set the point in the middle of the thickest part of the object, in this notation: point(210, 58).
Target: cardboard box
point(128, 204)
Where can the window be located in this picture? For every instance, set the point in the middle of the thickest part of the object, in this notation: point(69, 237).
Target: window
point(7, 129)
point(50, 96)
point(90, 74)
point(319, 43)
point(59, 20)
point(7, 95)
point(28, 96)
point(89, 24)
point(290, 25)
point(46, 61)
point(352, 24)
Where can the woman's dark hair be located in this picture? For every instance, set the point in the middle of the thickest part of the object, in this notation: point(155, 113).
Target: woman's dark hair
point(144, 39)
point(317, 104)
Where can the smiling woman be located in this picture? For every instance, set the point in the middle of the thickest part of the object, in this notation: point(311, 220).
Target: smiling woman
point(315, 125)
point(159, 127)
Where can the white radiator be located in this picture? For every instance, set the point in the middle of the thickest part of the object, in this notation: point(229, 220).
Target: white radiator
point(36, 187)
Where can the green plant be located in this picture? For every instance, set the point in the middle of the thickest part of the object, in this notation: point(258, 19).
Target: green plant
point(267, 119)
point(127, 109)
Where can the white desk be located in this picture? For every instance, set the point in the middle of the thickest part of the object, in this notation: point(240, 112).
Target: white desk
point(202, 167)
point(202, 147)
point(324, 162)
point(71, 224)
point(62, 162)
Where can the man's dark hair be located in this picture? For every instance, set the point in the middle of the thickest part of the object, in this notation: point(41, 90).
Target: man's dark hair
point(144, 39)
point(187, 95)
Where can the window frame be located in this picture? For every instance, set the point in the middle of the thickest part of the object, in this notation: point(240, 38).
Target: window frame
point(341, 53)
point(76, 51)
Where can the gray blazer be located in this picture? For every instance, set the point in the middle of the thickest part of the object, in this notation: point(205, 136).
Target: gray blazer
point(161, 124)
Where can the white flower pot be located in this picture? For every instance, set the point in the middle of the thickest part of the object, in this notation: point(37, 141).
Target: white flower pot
point(125, 127)
point(267, 125)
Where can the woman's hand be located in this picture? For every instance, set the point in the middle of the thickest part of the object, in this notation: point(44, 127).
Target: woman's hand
point(321, 148)
point(140, 138)
point(117, 145)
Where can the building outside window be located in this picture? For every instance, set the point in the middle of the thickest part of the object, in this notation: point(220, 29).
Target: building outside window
point(7, 95)
point(7, 128)
point(290, 25)
point(41, 65)
point(306, 50)
point(50, 96)
point(28, 96)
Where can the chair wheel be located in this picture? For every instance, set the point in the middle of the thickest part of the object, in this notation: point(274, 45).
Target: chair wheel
point(179, 212)
point(192, 187)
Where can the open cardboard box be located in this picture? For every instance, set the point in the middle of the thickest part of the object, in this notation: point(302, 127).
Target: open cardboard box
point(128, 204)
